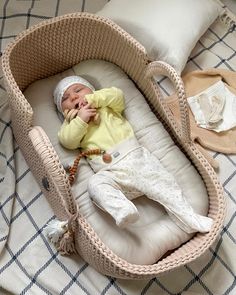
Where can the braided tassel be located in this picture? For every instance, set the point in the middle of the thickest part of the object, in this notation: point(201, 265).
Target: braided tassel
point(73, 170)
point(59, 234)
point(67, 244)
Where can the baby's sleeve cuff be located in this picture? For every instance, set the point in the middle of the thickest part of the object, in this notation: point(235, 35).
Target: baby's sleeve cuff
point(80, 122)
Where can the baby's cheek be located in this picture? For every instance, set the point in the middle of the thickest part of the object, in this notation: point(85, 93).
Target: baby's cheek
point(65, 105)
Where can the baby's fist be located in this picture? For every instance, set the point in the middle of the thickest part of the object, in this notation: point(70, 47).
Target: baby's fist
point(86, 113)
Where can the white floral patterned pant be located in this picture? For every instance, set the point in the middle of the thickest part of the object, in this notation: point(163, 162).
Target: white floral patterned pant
point(140, 173)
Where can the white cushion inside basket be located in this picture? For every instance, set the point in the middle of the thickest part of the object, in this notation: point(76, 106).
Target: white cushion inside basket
point(154, 234)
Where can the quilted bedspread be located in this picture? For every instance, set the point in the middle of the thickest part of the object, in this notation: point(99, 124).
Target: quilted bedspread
point(28, 263)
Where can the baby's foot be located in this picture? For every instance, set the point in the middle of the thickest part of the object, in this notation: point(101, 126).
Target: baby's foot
point(128, 219)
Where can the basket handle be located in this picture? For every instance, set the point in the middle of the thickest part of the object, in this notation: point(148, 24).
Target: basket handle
point(55, 171)
point(161, 68)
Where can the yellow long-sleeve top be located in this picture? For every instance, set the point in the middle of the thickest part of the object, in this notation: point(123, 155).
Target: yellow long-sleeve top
point(112, 129)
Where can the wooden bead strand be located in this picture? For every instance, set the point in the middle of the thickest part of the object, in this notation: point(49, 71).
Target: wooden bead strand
point(73, 169)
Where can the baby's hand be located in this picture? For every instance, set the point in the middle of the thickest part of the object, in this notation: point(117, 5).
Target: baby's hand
point(86, 113)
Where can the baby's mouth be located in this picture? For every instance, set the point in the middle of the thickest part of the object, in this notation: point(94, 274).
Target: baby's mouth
point(77, 106)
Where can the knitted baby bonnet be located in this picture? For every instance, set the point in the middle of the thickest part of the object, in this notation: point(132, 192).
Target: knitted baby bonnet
point(65, 84)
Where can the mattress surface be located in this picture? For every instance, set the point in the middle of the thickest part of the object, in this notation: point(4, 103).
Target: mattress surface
point(147, 240)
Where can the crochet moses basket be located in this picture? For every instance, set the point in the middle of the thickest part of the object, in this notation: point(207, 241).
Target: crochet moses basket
point(56, 45)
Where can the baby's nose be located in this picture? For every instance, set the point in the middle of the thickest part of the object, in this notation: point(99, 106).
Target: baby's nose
point(74, 96)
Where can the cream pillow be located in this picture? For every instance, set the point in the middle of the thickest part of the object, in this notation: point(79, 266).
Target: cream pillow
point(168, 29)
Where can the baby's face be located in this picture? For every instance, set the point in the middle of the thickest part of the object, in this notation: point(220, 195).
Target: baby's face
point(74, 97)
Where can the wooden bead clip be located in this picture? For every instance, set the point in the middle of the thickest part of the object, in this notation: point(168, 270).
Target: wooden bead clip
point(74, 169)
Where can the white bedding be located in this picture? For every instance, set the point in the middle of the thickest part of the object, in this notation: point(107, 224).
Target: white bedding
point(154, 233)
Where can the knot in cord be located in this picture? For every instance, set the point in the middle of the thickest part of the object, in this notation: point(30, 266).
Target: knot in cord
point(67, 242)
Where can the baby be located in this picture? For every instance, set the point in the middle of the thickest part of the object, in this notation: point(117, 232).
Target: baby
point(131, 170)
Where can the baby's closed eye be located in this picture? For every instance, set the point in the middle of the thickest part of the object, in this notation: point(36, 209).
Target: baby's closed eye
point(64, 97)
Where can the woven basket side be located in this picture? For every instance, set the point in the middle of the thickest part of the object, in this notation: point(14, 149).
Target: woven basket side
point(54, 181)
point(57, 44)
